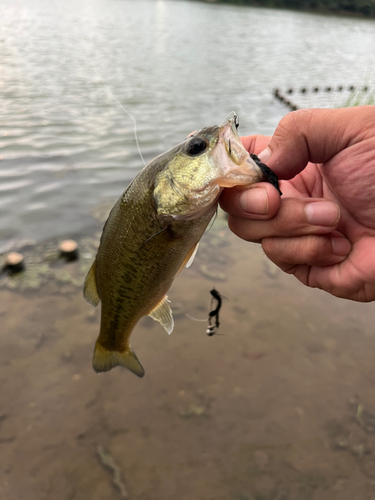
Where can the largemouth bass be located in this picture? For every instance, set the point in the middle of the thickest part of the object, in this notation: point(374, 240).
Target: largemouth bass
point(153, 231)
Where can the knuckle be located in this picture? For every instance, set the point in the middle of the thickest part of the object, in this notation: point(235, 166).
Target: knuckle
point(291, 219)
point(272, 246)
point(291, 122)
point(312, 250)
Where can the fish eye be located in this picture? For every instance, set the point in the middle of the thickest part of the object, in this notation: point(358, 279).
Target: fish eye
point(196, 146)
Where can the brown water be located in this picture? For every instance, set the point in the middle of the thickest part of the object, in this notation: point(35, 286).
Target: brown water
point(279, 407)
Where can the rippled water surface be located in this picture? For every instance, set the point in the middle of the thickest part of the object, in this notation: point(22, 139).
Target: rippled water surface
point(65, 144)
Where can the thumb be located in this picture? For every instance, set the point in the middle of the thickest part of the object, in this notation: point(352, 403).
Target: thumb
point(312, 135)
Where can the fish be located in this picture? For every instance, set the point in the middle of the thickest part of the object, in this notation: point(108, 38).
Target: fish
point(153, 232)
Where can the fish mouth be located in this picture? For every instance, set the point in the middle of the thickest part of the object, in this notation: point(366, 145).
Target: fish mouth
point(236, 165)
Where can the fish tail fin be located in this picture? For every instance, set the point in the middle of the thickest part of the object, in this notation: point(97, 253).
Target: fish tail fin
point(104, 360)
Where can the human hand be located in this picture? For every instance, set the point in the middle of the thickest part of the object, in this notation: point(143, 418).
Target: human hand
point(323, 228)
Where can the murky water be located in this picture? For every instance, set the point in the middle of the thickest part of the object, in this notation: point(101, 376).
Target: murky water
point(65, 144)
point(278, 407)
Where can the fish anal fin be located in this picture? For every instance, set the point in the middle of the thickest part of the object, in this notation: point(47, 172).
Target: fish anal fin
point(163, 314)
point(90, 290)
point(104, 360)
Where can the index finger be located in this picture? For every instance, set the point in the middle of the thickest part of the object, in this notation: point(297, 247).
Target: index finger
point(255, 143)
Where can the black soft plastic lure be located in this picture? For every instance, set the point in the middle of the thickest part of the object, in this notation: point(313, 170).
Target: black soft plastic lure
point(214, 314)
point(270, 176)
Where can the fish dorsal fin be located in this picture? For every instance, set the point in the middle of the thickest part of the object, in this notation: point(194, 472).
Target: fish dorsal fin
point(192, 257)
point(163, 314)
point(104, 360)
point(90, 290)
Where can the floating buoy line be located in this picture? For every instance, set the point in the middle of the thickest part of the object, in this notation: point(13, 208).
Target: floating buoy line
point(283, 96)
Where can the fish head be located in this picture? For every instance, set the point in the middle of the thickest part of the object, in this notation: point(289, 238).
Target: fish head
point(195, 172)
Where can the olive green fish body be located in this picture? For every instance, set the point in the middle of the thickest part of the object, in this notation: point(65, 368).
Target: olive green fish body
point(137, 261)
point(153, 231)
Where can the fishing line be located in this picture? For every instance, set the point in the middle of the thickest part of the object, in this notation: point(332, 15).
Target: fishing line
point(194, 319)
point(135, 125)
point(212, 221)
point(111, 95)
point(228, 117)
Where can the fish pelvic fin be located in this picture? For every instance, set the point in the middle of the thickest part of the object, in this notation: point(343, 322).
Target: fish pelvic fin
point(104, 360)
point(163, 314)
point(90, 290)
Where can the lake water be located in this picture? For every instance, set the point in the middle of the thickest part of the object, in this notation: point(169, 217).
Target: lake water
point(65, 144)
point(281, 404)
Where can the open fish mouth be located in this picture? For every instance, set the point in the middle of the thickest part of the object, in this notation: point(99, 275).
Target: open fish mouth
point(236, 165)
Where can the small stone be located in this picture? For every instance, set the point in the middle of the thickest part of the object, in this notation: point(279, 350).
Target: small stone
point(67, 356)
point(341, 443)
point(360, 450)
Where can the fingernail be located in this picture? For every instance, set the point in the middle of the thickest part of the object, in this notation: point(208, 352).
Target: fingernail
point(322, 213)
point(265, 155)
point(340, 246)
point(254, 201)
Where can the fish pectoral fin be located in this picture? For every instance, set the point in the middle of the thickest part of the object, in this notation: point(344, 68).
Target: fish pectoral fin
point(90, 290)
point(192, 256)
point(163, 314)
point(104, 360)
point(188, 260)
